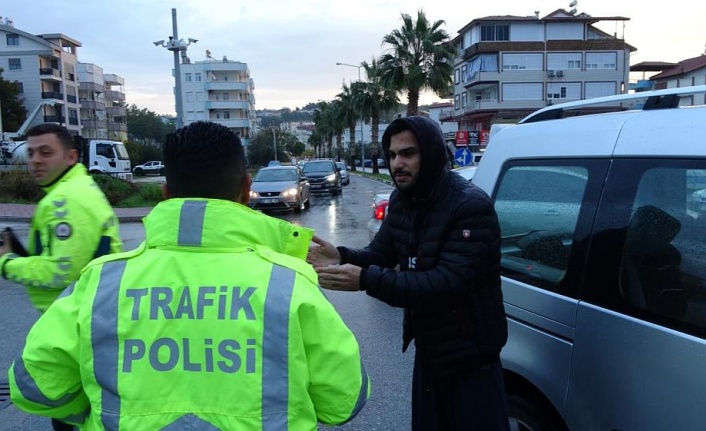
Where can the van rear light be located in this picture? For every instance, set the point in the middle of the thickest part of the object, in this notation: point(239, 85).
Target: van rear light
point(380, 210)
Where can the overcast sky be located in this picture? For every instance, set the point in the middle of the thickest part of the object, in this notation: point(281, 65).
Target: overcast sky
point(292, 47)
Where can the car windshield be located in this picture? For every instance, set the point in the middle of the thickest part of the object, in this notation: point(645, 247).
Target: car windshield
point(272, 175)
point(341, 165)
point(317, 167)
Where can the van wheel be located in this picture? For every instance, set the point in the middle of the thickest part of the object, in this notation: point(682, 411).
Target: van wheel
point(138, 172)
point(161, 172)
point(529, 415)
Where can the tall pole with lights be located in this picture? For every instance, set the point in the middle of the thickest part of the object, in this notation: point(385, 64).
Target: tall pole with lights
point(177, 46)
point(362, 146)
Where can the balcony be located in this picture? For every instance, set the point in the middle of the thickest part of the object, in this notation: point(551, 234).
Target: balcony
point(226, 85)
point(117, 127)
point(115, 111)
point(92, 105)
point(227, 104)
point(232, 122)
point(73, 121)
point(94, 124)
point(495, 105)
point(114, 96)
point(71, 99)
point(54, 119)
point(53, 95)
point(49, 74)
point(91, 86)
point(481, 80)
point(230, 66)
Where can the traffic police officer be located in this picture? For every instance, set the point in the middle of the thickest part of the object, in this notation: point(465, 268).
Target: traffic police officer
point(215, 322)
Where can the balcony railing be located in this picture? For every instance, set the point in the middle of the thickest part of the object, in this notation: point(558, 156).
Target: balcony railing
point(94, 124)
point(48, 71)
point(52, 95)
point(73, 121)
point(54, 119)
point(114, 96)
point(71, 99)
point(117, 127)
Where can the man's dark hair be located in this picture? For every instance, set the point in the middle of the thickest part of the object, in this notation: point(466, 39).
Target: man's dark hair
point(61, 132)
point(205, 160)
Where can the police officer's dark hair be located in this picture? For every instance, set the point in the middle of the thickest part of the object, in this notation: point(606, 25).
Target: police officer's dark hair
point(62, 133)
point(205, 160)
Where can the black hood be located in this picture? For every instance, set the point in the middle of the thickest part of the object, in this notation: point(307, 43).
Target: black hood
point(432, 148)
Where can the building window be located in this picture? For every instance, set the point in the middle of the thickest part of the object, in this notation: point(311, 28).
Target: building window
point(529, 91)
point(457, 102)
point(494, 32)
point(218, 115)
point(199, 96)
point(15, 64)
point(189, 96)
point(457, 76)
point(601, 60)
point(225, 96)
point(197, 77)
point(570, 91)
point(564, 61)
point(187, 77)
point(13, 39)
point(464, 99)
point(522, 62)
point(463, 73)
point(226, 115)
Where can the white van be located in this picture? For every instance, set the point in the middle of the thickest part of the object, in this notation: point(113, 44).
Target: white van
point(604, 262)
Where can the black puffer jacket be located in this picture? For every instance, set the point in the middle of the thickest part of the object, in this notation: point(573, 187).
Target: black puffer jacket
point(444, 234)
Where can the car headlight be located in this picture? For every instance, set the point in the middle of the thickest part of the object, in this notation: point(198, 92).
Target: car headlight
point(331, 178)
point(254, 194)
point(290, 192)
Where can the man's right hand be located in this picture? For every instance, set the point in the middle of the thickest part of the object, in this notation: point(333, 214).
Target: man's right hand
point(322, 253)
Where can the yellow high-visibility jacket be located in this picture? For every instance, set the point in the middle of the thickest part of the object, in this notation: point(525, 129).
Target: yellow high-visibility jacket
point(206, 324)
point(72, 224)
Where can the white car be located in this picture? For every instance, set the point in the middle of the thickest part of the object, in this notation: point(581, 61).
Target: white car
point(381, 200)
point(154, 167)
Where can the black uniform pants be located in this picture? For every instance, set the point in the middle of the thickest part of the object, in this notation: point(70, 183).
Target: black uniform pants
point(472, 400)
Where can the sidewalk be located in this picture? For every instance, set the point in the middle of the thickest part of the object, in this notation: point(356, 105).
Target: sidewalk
point(23, 213)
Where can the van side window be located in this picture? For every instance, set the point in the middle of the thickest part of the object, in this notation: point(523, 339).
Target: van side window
point(663, 265)
point(538, 208)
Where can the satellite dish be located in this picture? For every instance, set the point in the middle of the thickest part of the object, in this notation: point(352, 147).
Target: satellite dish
point(573, 3)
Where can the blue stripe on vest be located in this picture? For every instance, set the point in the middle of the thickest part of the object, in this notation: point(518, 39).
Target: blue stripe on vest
point(104, 341)
point(31, 392)
point(275, 350)
point(191, 222)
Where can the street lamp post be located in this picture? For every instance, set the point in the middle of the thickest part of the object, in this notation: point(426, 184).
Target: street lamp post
point(362, 146)
point(177, 46)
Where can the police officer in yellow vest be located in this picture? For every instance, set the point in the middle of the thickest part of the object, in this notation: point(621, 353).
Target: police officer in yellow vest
point(72, 224)
point(215, 322)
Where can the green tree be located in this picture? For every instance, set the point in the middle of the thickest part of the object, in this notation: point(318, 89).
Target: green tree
point(261, 147)
point(420, 57)
point(350, 113)
point(374, 99)
point(13, 112)
point(145, 126)
point(323, 125)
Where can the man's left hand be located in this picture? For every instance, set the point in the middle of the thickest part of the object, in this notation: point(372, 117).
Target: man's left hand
point(340, 277)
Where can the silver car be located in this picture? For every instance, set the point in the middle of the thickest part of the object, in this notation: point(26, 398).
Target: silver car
point(280, 188)
point(345, 175)
point(381, 200)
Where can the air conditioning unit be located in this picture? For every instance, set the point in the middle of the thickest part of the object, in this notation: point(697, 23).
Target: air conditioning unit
point(550, 73)
point(559, 73)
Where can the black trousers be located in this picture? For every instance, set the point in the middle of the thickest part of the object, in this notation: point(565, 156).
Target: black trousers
point(473, 400)
point(60, 426)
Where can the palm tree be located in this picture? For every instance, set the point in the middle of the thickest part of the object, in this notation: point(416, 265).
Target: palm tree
point(350, 112)
point(323, 125)
point(373, 99)
point(420, 57)
point(336, 118)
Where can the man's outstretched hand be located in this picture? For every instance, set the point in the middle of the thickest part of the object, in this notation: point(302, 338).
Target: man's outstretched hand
point(322, 253)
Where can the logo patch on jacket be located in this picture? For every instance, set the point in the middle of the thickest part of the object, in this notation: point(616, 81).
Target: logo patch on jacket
point(62, 231)
point(466, 233)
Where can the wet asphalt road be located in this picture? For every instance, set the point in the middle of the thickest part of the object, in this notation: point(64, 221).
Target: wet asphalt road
point(378, 327)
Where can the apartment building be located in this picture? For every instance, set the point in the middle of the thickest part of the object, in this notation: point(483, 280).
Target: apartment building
point(103, 113)
point(219, 91)
point(510, 66)
point(685, 73)
point(45, 67)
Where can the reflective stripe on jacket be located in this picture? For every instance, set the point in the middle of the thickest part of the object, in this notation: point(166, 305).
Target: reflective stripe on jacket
point(199, 326)
point(72, 224)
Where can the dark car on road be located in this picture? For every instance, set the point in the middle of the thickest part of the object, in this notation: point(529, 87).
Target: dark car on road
point(323, 176)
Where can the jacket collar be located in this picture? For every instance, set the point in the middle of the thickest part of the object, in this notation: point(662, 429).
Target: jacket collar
point(76, 170)
point(220, 224)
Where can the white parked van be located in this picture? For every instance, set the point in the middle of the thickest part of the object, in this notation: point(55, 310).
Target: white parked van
point(604, 262)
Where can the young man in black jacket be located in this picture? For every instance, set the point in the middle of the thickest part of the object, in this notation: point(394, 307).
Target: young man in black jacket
point(443, 233)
